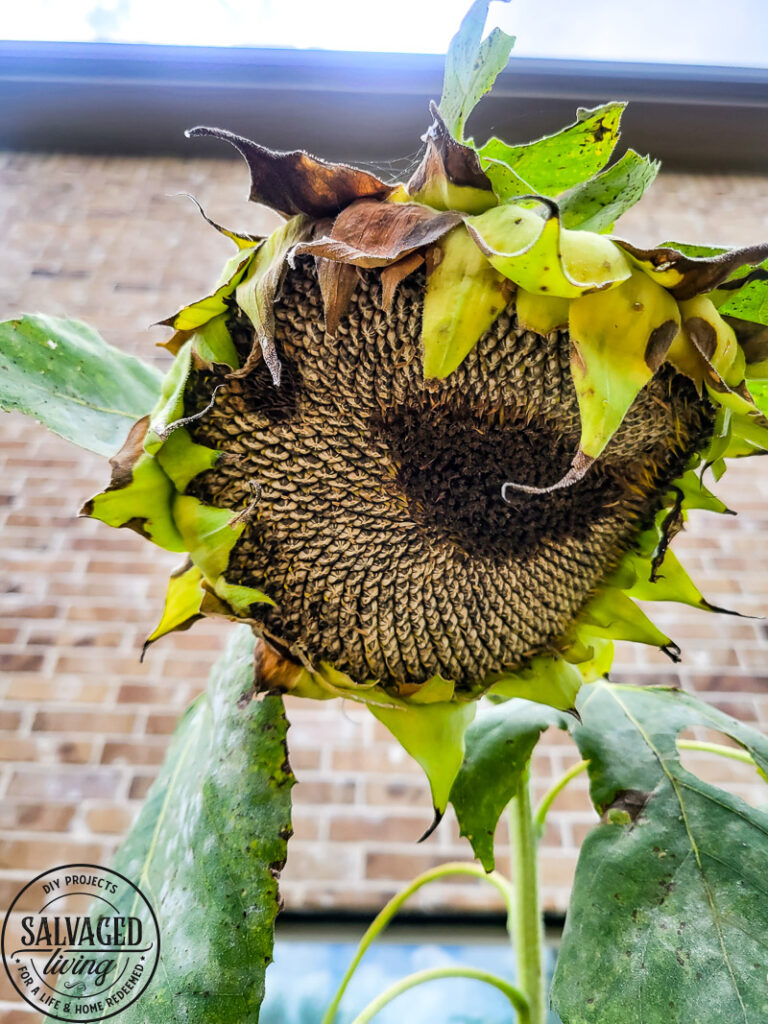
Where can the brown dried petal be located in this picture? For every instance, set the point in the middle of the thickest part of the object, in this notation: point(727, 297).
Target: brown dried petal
point(337, 285)
point(296, 182)
point(753, 338)
point(445, 157)
point(122, 462)
point(699, 274)
point(392, 275)
point(373, 234)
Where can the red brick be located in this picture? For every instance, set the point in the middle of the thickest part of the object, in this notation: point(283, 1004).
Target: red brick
point(140, 785)
point(21, 662)
point(71, 784)
point(133, 752)
point(45, 817)
point(41, 853)
point(100, 722)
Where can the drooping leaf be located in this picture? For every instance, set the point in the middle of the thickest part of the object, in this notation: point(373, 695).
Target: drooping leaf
point(597, 204)
point(542, 257)
point(433, 734)
point(471, 66)
point(678, 930)
point(499, 744)
point(207, 848)
point(392, 276)
point(620, 338)
point(241, 240)
point(558, 162)
point(687, 276)
point(545, 679)
point(612, 615)
point(369, 233)
point(139, 495)
point(464, 296)
point(296, 182)
point(190, 596)
point(256, 293)
point(65, 375)
point(190, 318)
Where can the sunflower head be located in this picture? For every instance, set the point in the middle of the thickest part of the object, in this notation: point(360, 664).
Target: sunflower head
point(431, 439)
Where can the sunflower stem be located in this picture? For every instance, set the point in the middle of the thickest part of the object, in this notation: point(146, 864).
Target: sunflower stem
point(516, 998)
point(386, 914)
point(528, 930)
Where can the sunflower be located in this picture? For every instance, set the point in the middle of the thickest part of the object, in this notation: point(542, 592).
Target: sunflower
point(432, 439)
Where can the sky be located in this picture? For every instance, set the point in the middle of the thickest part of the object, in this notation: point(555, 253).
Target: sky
point(725, 32)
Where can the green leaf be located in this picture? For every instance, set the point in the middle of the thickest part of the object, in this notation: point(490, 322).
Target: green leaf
point(546, 679)
point(189, 318)
point(499, 744)
point(66, 376)
point(597, 204)
point(433, 734)
point(207, 847)
point(463, 298)
point(142, 503)
point(668, 922)
point(614, 354)
point(471, 66)
point(544, 258)
point(558, 162)
point(750, 302)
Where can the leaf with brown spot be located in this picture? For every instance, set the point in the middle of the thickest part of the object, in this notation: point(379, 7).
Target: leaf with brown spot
point(681, 865)
point(296, 182)
point(687, 276)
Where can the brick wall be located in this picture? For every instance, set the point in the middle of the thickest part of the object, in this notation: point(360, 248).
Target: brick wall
point(84, 725)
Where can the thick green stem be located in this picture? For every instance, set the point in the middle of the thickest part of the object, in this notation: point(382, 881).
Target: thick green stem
point(528, 932)
point(516, 998)
point(386, 914)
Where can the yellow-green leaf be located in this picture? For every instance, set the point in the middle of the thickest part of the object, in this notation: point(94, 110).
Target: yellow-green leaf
point(143, 503)
point(619, 338)
point(433, 734)
point(560, 161)
point(463, 298)
point(544, 258)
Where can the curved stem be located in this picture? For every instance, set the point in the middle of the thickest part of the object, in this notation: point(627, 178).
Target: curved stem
point(734, 753)
point(385, 915)
point(528, 935)
point(549, 797)
point(516, 998)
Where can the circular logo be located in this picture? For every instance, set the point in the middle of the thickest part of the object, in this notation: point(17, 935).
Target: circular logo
point(80, 942)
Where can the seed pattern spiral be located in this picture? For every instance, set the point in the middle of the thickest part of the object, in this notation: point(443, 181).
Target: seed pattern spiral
point(372, 498)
